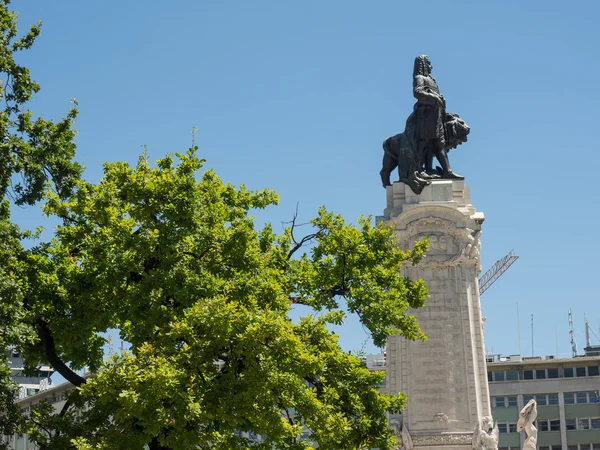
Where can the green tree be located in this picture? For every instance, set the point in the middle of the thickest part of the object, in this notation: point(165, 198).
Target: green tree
point(34, 153)
point(170, 256)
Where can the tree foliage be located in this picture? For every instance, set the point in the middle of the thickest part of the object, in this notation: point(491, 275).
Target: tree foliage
point(170, 256)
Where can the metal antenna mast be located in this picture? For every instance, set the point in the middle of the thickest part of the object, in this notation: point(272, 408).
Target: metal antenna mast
point(572, 334)
point(587, 332)
point(532, 335)
point(488, 278)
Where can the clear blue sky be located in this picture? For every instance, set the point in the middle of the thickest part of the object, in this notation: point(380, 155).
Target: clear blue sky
point(298, 96)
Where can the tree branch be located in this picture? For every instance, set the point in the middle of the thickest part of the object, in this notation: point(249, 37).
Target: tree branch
point(47, 339)
point(65, 407)
point(305, 239)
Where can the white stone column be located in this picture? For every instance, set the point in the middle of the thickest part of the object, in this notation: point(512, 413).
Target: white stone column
point(445, 378)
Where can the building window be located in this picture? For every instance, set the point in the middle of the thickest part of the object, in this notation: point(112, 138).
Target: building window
point(512, 427)
point(512, 375)
point(490, 376)
point(540, 374)
point(571, 424)
point(552, 399)
point(552, 373)
point(528, 374)
point(526, 398)
point(502, 428)
point(555, 425)
point(541, 399)
point(503, 402)
point(583, 424)
point(580, 397)
point(580, 371)
point(568, 372)
point(595, 446)
point(593, 371)
point(595, 421)
point(543, 425)
point(545, 448)
point(572, 447)
point(499, 376)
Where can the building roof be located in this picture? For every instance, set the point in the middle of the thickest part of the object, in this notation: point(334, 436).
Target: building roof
point(529, 361)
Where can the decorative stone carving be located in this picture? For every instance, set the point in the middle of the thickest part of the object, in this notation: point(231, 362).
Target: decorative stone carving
point(441, 418)
point(448, 245)
point(407, 443)
point(485, 436)
point(441, 439)
point(526, 420)
point(396, 426)
point(472, 248)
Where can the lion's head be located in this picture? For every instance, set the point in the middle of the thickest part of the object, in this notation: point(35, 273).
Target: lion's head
point(456, 130)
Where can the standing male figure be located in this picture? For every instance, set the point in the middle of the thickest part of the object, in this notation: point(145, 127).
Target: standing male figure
point(430, 111)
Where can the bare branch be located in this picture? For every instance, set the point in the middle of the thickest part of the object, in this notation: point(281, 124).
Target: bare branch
point(303, 241)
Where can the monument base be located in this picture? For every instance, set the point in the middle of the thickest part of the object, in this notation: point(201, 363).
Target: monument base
point(445, 377)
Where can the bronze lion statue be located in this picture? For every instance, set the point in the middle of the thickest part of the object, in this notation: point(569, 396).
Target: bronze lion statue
point(417, 170)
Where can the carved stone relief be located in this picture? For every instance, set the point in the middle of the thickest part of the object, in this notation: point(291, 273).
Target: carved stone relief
point(449, 245)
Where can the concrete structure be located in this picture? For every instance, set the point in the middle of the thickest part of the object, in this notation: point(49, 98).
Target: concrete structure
point(444, 377)
point(566, 392)
point(29, 383)
point(55, 395)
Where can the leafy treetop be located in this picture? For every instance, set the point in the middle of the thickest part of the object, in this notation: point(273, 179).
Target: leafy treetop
point(169, 255)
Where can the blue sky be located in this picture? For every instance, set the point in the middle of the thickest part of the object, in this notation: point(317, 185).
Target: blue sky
point(298, 97)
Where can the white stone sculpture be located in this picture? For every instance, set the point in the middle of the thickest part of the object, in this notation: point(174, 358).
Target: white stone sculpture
point(485, 436)
point(526, 420)
point(407, 443)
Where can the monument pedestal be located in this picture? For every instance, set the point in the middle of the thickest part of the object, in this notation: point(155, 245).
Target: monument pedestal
point(445, 377)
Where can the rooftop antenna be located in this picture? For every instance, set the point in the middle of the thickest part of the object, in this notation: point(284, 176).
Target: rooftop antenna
point(519, 329)
point(532, 335)
point(572, 334)
point(501, 266)
point(587, 332)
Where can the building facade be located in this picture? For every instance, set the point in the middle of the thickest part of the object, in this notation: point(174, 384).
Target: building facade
point(55, 395)
point(30, 383)
point(566, 392)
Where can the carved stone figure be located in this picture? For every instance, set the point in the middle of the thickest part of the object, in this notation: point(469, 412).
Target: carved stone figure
point(485, 436)
point(430, 132)
point(441, 418)
point(402, 435)
point(407, 443)
point(527, 418)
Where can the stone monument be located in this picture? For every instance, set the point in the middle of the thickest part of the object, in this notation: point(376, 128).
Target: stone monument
point(445, 377)
point(526, 422)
